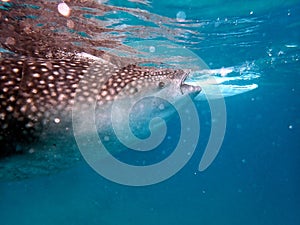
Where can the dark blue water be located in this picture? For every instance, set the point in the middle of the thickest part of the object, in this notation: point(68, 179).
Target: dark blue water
point(255, 177)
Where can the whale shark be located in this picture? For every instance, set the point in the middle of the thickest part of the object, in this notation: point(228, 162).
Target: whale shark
point(37, 96)
point(48, 63)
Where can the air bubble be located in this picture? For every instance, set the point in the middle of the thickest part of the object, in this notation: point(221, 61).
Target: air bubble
point(56, 120)
point(181, 16)
point(151, 49)
point(161, 107)
point(64, 9)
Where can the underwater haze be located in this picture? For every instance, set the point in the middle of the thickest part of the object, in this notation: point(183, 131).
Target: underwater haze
point(254, 179)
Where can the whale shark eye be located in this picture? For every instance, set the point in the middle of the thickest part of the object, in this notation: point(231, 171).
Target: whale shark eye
point(161, 84)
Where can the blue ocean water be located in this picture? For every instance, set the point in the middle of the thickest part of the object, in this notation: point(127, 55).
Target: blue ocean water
point(255, 177)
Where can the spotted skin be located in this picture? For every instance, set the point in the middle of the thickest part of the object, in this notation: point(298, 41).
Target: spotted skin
point(37, 95)
point(34, 92)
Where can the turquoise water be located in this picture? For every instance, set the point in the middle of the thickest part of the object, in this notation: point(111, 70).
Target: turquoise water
point(255, 177)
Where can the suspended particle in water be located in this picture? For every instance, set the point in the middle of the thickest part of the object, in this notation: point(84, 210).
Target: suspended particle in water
point(106, 138)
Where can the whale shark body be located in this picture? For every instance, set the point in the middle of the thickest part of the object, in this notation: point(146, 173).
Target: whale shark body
point(37, 96)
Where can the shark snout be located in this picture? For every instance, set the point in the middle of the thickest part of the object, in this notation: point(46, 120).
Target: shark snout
point(190, 89)
point(187, 88)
